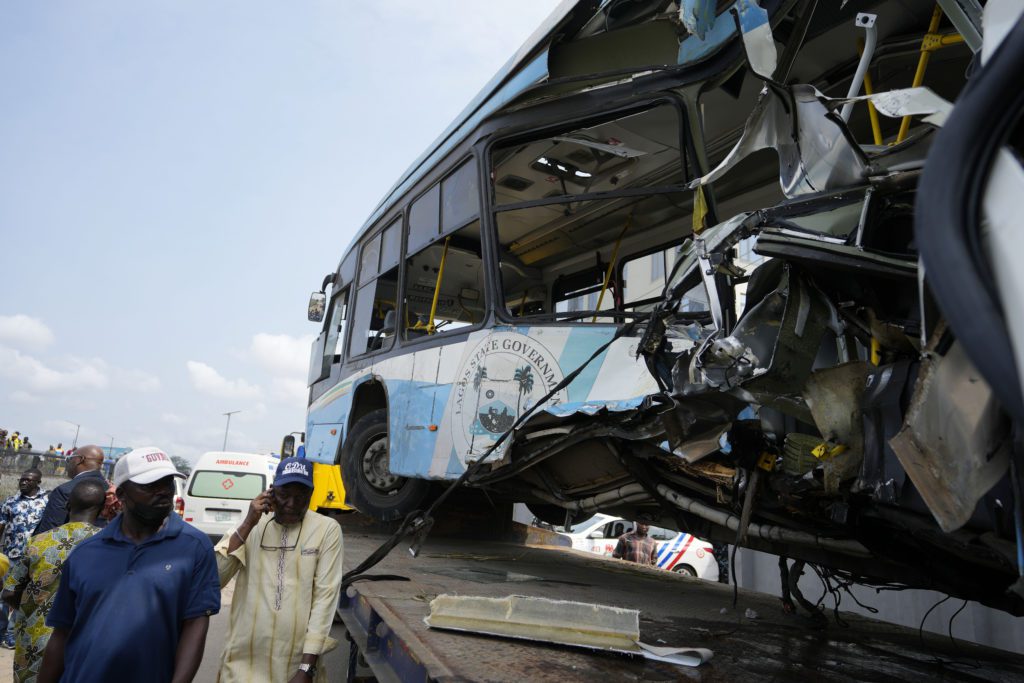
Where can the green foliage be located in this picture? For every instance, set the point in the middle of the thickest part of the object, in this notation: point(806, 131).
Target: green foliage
point(182, 464)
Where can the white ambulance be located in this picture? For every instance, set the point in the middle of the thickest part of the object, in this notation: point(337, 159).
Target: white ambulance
point(220, 487)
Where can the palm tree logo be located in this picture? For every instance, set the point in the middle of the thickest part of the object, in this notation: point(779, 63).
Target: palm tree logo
point(478, 378)
point(524, 377)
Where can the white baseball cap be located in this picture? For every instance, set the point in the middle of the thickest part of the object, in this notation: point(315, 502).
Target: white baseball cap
point(144, 466)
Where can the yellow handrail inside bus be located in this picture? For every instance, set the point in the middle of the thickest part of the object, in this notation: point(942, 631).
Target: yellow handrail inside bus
point(437, 286)
point(931, 42)
point(611, 264)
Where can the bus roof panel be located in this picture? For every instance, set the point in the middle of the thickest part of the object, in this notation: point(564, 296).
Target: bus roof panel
point(527, 67)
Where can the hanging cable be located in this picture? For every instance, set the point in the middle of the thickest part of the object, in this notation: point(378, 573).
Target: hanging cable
point(418, 523)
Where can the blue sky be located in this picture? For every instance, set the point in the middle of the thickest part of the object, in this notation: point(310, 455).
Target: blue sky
point(178, 176)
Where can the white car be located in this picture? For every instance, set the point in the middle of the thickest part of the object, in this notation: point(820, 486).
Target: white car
point(677, 551)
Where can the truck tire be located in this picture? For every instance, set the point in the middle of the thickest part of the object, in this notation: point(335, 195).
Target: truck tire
point(369, 485)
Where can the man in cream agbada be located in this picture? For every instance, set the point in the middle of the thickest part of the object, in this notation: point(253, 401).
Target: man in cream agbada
point(288, 566)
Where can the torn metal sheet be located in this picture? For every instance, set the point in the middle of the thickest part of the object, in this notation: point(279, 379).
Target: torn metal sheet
point(768, 357)
point(594, 407)
point(698, 16)
point(834, 397)
point(819, 157)
point(1002, 227)
point(1000, 16)
point(702, 445)
point(953, 443)
point(903, 102)
point(758, 41)
point(578, 624)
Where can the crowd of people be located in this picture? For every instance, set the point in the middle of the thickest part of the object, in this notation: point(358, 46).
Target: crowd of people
point(15, 442)
point(92, 566)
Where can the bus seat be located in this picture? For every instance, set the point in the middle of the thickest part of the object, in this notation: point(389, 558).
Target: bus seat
point(388, 327)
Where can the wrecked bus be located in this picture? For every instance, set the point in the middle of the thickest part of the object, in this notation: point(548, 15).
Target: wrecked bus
point(738, 249)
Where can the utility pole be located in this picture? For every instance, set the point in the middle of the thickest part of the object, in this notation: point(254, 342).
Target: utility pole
point(110, 453)
point(78, 428)
point(227, 427)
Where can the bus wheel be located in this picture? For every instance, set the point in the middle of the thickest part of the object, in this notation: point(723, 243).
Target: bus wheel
point(369, 484)
point(554, 515)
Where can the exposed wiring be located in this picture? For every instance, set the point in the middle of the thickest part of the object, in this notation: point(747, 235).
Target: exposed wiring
point(920, 629)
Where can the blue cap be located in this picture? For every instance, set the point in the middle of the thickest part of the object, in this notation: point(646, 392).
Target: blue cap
point(294, 471)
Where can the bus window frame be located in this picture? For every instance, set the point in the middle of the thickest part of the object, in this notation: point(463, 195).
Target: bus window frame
point(689, 163)
point(342, 339)
point(620, 271)
point(423, 341)
point(357, 284)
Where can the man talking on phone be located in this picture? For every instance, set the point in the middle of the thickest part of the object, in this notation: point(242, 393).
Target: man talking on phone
point(288, 566)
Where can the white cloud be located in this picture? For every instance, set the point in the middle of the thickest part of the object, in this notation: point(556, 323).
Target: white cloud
point(172, 419)
point(34, 375)
point(280, 354)
point(291, 390)
point(208, 381)
point(137, 380)
point(24, 332)
point(23, 397)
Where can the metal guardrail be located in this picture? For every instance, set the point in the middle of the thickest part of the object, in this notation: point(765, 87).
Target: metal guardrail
point(15, 462)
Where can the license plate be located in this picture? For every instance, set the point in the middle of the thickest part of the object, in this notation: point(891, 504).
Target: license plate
point(222, 516)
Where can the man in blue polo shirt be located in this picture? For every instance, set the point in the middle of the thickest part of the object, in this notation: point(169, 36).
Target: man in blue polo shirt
point(135, 599)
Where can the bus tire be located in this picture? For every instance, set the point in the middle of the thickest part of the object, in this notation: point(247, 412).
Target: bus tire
point(554, 515)
point(369, 485)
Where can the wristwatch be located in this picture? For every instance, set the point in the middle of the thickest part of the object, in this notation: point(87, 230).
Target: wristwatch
point(308, 669)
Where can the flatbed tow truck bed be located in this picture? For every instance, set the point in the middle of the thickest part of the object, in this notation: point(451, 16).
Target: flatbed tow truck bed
point(385, 620)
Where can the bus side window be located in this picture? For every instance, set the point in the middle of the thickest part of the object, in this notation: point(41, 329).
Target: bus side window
point(569, 206)
point(372, 328)
point(444, 286)
point(336, 328)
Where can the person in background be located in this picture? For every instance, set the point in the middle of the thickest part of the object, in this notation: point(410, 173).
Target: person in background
point(26, 445)
point(135, 599)
point(19, 516)
point(637, 546)
point(288, 566)
point(33, 580)
point(86, 462)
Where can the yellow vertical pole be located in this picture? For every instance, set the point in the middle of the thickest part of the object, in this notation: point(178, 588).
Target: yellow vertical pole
point(611, 265)
point(922, 64)
point(437, 285)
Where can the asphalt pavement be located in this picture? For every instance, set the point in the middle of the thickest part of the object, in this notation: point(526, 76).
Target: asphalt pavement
point(335, 660)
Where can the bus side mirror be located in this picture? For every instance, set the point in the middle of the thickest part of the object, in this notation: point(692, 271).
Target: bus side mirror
point(317, 304)
point(288, 446)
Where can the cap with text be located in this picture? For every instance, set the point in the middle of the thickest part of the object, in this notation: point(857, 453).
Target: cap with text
point(294, 471)
point(144, 466)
